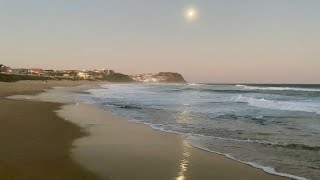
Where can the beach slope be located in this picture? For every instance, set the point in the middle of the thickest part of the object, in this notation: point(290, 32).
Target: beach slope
point(34, 142)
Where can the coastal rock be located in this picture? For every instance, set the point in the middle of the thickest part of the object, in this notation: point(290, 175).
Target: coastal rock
point(162, 77)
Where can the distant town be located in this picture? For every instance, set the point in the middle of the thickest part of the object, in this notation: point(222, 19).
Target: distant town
point(95, 74)
point(64, 74)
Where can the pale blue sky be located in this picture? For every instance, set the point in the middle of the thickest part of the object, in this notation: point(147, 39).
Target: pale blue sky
point(266, 41)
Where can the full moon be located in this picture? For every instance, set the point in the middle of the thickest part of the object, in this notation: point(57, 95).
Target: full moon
point(190, 14)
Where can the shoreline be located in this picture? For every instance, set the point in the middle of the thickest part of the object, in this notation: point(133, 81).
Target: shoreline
point(266, 169)
point(196, 163)
point(127, 122)
point(199, 164)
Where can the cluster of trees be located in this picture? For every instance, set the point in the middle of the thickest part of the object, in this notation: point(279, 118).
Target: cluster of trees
point(3, 68)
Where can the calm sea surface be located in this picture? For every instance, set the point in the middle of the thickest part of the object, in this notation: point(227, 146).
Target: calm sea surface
point(267, 126)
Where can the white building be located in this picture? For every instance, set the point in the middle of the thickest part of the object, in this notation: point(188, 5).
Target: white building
point(83, 75)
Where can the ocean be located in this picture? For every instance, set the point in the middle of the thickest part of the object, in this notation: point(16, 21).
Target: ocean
point(272, 127)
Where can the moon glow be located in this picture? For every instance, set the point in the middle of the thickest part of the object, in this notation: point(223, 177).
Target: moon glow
point(190, 14)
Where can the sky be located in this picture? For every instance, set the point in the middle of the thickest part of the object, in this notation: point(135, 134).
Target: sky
point(230, 41)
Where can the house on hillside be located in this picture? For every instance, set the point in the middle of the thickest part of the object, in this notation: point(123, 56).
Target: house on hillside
point(48, 72)
point(36, 71)
point(20, 71)
point(4, 69)
point(104, 71)
point(83, 75)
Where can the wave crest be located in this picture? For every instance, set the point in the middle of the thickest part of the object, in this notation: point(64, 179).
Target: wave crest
point(278, 88)
point(280, 105)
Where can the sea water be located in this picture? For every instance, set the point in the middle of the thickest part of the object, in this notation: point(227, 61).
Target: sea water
point(272, 127)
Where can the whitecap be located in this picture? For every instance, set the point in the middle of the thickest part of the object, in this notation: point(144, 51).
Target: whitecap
point(278, 88)
point(281, 105)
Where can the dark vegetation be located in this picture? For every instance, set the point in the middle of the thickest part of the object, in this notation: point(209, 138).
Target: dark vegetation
point(172, 77)
point(15, 78)
point(117, 77)
point(114, 77)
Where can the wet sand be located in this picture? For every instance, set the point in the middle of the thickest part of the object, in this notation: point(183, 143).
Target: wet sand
point(34, 142)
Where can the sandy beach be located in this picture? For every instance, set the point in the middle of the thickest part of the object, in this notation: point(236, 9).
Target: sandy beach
point(34, 142)
point(34, 87)
point(45, 140)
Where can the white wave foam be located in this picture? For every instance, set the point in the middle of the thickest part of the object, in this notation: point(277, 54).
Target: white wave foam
point(266, 169)
point(193, 84)
point(281, 105)
point(238, 140)
point(159, 127)
point(278, 88)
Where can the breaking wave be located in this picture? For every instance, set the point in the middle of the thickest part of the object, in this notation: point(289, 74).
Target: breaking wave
point(280, 105)
point(249, 122)
point(278, 88)
point(266, 169)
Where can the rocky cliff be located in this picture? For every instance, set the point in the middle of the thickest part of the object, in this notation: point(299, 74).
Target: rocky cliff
point(162, 77)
